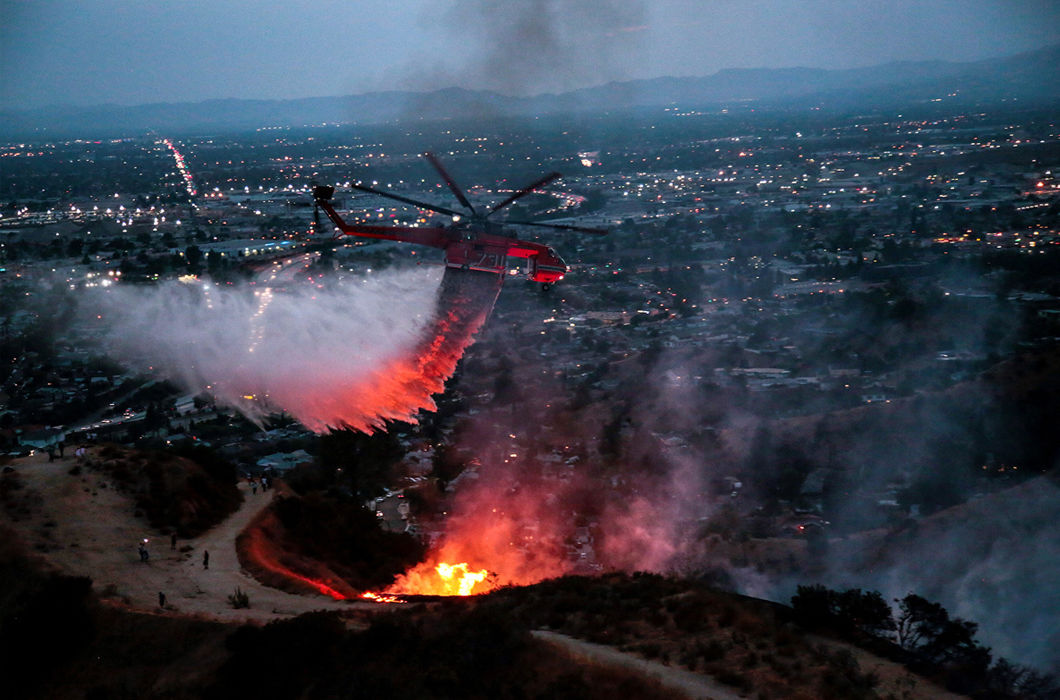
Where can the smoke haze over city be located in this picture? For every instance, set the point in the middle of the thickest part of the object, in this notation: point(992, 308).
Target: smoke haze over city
point(761, 369)
point(116, 51)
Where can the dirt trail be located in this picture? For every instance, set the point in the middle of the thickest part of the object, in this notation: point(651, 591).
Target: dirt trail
point(86, 528)
point(679, 680)
point(895, 680)
point(82, 526)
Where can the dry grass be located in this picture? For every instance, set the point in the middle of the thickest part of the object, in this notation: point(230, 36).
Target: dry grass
point(749, 645)
point(172, 492)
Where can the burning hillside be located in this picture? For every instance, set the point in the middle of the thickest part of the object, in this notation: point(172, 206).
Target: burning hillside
point(440, 579)
point(511, 525)
point(359, 354)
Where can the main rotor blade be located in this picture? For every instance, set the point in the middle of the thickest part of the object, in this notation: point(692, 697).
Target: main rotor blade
point(525, 191)
point(449, 181)
point(561, 227)
point(406, 200)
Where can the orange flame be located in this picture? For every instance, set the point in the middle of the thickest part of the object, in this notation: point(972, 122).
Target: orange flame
point(465, 583)
point(377, 598)
point(443, 579)
point(521, 542)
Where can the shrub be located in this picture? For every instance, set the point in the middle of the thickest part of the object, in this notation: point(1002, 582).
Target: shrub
point(239, 599)
point(737, 680)
point(712, 651)
point(727, 616)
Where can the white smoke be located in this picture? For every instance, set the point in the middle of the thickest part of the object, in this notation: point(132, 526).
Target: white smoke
point(263, 349)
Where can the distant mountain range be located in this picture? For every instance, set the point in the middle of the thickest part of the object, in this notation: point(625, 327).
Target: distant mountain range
point(1032, 77)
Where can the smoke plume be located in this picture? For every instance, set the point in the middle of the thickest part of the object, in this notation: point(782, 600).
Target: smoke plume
point(525, 516)
point(533, 47)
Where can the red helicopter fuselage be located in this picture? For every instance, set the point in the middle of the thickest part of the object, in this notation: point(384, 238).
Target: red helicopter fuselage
point(467, 246)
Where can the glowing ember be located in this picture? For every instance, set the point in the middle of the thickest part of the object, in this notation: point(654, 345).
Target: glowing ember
point(444, 579)
point(384, 598)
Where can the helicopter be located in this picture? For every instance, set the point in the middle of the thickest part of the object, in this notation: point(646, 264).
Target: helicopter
point(473, 241)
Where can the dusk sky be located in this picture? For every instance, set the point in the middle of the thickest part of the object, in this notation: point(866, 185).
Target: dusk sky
point(125, 52)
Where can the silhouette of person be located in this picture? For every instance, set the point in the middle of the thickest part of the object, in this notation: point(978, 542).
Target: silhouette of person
point(205, 559)
point(173, 541)
point(161, 599)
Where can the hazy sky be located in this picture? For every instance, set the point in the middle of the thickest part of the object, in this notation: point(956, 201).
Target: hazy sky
point(132, 52)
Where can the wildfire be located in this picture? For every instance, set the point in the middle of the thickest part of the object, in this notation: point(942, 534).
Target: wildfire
point(384, 598)
point(443, 579)
point(462, 584)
